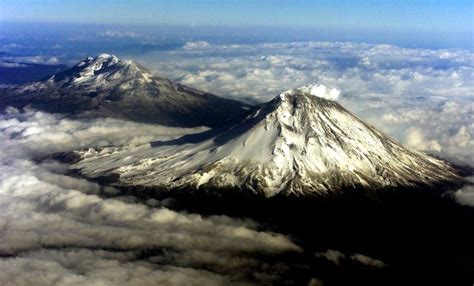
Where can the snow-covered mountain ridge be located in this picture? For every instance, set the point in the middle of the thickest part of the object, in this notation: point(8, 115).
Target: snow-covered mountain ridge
point(298, 143)
point(108, 86)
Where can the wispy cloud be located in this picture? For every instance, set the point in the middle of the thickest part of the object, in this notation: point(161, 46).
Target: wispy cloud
point(120, 34)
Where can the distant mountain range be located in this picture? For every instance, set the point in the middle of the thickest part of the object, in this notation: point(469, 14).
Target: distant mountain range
point(108, 86)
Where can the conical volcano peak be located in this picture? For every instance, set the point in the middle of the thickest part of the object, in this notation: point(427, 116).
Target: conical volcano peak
point(299, 143)
point(308, 104)
point(318, 90)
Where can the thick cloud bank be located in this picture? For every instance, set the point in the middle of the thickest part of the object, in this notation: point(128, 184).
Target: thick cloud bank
point(60, 230)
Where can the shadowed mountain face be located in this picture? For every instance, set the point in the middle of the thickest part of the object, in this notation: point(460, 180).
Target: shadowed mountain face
point(107, 86)
point(297, 144)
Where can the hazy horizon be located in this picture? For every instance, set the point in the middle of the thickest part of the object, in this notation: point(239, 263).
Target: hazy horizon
point(423, 23)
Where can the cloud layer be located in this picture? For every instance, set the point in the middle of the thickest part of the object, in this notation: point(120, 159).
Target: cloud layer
point(58, 230)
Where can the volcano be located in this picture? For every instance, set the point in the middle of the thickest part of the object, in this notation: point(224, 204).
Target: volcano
point(109, 87)
point(297, 144)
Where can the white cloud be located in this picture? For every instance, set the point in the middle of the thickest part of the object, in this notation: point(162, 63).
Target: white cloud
point(12, 65)
point(338, 258)
point(318, 90)
point(97, 267)
point(46, 60)
point(120, 34)
point(465, 195)
point(34, 133)
point(196, 45)
point(369, 261)
point(332, 255)
point(416, 139)
point(325, 92)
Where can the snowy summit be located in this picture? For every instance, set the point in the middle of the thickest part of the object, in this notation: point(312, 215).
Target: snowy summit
point(108, 86)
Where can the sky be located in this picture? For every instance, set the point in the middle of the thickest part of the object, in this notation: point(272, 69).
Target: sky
point(448, 21)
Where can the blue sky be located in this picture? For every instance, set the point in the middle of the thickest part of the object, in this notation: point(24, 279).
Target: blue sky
point(439, 19)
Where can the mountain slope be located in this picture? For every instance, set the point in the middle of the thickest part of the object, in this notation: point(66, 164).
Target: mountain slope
point(107, 86)
point(295, 144)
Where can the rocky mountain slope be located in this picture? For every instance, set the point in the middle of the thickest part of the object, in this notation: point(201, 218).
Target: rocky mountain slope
point(108, 86)
point(297, 144)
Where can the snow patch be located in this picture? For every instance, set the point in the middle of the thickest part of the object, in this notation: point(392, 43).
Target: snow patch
point(105, 56)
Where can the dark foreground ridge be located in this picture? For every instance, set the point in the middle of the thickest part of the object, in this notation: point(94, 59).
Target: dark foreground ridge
point(422, 237)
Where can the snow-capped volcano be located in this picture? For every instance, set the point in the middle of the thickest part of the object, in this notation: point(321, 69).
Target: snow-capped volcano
point(108, 86)
point(297, 143)
point(103, 70)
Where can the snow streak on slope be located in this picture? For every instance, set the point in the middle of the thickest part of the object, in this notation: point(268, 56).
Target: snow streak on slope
point(297, 143)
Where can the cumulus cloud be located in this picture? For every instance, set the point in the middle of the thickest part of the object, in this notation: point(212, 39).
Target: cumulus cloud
point(421, 97)
point(325, 92)
point(32, 133)
point(97, 267)
point(120, 34)
point(338, 258)
point(465, 195)
point(196, 45)
point(12, 65)
point(59, 230)
point(442, 128)
point(318, 90)
point(369, 261)
point(332, 255)
point(416, 139)
point(45, 60)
